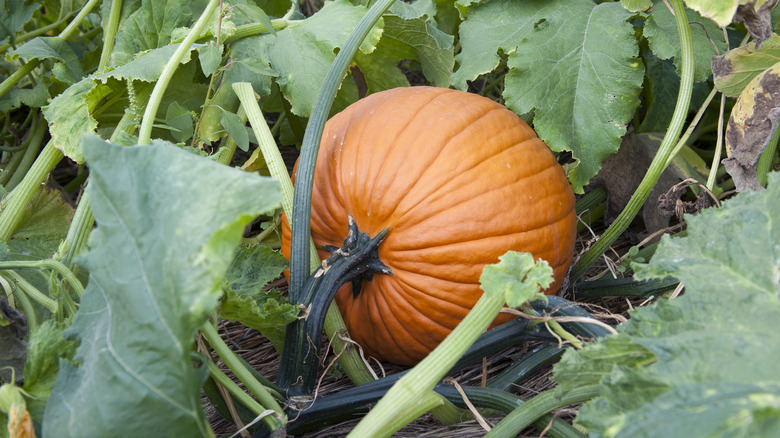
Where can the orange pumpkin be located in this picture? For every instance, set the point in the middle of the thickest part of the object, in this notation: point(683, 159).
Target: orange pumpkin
point(459, 180)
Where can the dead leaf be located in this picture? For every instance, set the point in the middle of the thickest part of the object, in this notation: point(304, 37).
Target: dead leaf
point(757, 19)
point(621, 174)
point(20, 423)
point(751, 126)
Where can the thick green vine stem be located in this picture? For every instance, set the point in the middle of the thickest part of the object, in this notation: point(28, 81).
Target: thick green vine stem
point(539, 405)
point(354, 261)
point(266, 142)
point(393, 410)
point(145, 132)
point(300, 269)
point(245, 376)
point(109, 33)
point(236, 391)
point(27, 290)
point(53, 265)
point(34, 140)
point(14, 204)
point(661, 158)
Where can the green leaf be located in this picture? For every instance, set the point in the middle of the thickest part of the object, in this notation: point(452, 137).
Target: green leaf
point(167, 231)
point(148, 66)
point(517, 278)
point(45, 224)
point(734, 70)
point(14, 14)
point(257, 15)
point(246, 300)
point(34, 97)
point(47, 347)
point(660, 94)
point(210, 58)
point(180, 119)
point(636, 5)
point(5, 252)
point(301, 55)
point(149, 27)
point(719, 11)
point(236, 129)
point(730, 249)
point(700, 364)
point(664, 39)
point(574, 62)
point(407, 38)
point(51, 48)
point(70, 116)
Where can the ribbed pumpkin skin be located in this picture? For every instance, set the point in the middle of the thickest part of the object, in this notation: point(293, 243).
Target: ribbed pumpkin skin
point(459, 180)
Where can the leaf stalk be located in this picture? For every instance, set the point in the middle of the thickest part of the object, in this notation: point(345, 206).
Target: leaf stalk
point(661, 158)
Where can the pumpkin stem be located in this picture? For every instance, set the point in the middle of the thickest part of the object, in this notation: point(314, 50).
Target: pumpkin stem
point(356, 260)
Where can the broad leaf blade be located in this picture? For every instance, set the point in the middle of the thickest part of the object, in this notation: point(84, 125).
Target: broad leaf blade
point(664, 39)
point(167, 231)
point(407, 38)
point(712, 369)
point(149, 27)
point(302, 55)
point(578, 68)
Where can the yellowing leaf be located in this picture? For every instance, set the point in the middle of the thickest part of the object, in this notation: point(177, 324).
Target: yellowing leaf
point(752, 123)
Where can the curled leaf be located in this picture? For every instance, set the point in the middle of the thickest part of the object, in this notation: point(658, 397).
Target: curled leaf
point(517, 277)
point(755, 14)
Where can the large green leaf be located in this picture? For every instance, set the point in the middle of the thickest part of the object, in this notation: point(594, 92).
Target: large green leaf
point(51, 48)
point(149, 27)
point(664, 39)
point(574, 62)
point(408, 38)
point(46, 349)
point(301, 55)
point(71, 114)
point(14, 14)
point(45, 224)
point(168, 225)
point(703, 364)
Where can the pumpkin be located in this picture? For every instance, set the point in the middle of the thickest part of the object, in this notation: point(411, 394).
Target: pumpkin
point(458, 180)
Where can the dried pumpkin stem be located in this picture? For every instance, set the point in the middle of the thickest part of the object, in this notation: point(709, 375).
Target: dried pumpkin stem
point(357, 258)
point(664, 151)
